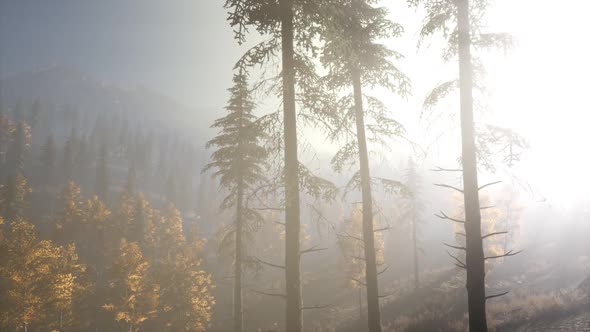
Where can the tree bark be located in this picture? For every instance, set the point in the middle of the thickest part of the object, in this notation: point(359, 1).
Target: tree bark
point(238, 312)
point(292, 222)
point(474, 256)
point(374, 315)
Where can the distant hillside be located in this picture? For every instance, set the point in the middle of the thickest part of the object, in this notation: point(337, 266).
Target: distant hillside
point(59, 88)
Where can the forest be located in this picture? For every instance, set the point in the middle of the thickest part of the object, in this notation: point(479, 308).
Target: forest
point(350, 166)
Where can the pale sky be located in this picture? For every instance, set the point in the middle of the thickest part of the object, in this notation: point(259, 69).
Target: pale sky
point(185, 49)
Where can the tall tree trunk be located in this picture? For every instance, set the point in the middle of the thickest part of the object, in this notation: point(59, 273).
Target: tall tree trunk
point(474, 256)
point(238, 313)
point(292, 223)
point(415, 243)
point(374, 315)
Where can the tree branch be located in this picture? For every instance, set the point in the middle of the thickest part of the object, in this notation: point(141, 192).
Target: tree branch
point(487, 207)
point(269, 294)
point(312, 249)
point(459, 262)
point(440, 169)
point(455, 247)
point(267, 209)
point(450, 187)
point(442, 215)
point(508, 254)
point(382, 271)
point(382, 229)
point(269, 264)
point(497, 295)
point(488, 184)
point(358, 281)
point(316, 307)
point(493, 234)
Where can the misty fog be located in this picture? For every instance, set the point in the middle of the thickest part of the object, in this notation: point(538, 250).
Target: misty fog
point(294, 165)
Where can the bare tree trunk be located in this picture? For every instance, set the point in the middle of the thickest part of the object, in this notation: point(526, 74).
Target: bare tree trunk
point(474, 257)
point(415, 240)
point(374, 315)
point(292, 227)
point(238, 313)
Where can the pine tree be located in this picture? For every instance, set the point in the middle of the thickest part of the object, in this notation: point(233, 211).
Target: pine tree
point(351, 245)
point(238, 163)
point(292, 28)
point(69, 220)
point(356, 60)
point(460, 23)
point(412, 212)
point(101, 184)
point(18, 149)
point(48, 159)
point(69, 152)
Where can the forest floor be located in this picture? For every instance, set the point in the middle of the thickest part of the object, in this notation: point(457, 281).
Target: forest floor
point(574, 323)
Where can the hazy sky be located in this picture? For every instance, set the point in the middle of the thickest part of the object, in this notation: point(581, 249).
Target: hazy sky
point(185, 49)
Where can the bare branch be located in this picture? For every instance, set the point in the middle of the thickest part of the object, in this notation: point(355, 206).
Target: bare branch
point(461, 234)
point(269, 264)
point(497, 295)
point(442, 215)
point(267, 209)
point(459, 262)
point(358, 281)
point(487, 207)
point(447, 186)
point(508, 254)
point(316, 307)
point(382, 229)
point(269, 294)
point(382, 271)
point(455, 247)
point(346, 235)
point(439, 169)
point(493, 234)
point(312, 249)
point(488, 184)
point(386, 295)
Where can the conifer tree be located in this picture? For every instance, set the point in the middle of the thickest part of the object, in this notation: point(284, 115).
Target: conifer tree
point(356, 60)
point(69, 152)
point(101, 184)
point(460, 23)
point(48, 158)
point(292, 28)
point(238, 163)
point(412, 213)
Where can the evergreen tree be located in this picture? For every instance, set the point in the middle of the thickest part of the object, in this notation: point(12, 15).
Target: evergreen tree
point(412, 212)
point(238, 163)
point(13, 197)
point(356, 60)
point(460, 23)
point(18, 149)
point(68, 225)
point(69, 152)
point(48, 159)
point(101, 184)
